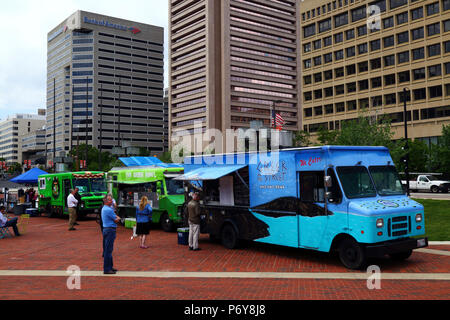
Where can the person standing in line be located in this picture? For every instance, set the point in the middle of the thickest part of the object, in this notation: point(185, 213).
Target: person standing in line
point(110, 220)
point(194, 221)
point(143, 221)
point(72, 204)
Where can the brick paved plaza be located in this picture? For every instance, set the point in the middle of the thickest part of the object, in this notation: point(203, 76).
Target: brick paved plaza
point(169, 271)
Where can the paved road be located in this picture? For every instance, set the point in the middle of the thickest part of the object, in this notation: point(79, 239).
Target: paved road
point(37, 269)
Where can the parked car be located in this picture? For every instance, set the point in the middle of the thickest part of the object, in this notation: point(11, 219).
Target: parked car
point(429, 183)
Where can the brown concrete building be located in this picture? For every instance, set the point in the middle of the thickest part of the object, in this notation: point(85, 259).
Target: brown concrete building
point(231, 62)
point(352, 60)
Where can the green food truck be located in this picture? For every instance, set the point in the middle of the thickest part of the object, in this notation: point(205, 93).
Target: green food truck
point(54, 189)
point(165, 195)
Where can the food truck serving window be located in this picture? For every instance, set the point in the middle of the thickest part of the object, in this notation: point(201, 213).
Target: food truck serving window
point(386, 180)
point(356, 182)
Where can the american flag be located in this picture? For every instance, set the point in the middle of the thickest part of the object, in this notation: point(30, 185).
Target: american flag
point(279, 121)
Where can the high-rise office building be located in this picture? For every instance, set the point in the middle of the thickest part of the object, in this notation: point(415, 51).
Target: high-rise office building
point(231, 62)
point(12, 130)
point(107, 75)
point(360, 55)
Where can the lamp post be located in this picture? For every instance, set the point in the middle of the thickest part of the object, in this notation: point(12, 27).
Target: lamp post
point(406, 157)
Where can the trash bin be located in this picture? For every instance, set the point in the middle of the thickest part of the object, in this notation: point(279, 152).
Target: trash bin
point(183, 236)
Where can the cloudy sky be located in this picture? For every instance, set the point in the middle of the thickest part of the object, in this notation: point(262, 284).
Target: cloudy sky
point(24, 25)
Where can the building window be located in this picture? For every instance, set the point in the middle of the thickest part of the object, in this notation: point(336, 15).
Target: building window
point(447, 68)
point(363, 66)
point(389, 79)
point(340, 107)
point(432, 8)
point(318, 94)
point(403, 76)
point(307, 80)
point(352, 105)
point(351, 87)
point(363, 84)
point(433, 29)
point(324, 25)
point(339, 55)
point(358, 13)
point(307, 47)
point(362, 30)
point(420, 94)
point(388, 41)
point(389, 60)
point(419, 74)
point(434, 50)
point(446, 24)
point(327, 41)
point(403, 57)
point(417, 33)
point(328, 75)
point(375, 63)
point(397, 3)
point(376, 82)
point(328, 92)
point(317, 44)
point(339, 89)
point(350, 34)
point(317, 61)
point(375, 45)
point(434, 71)
point(418, 53)
point(340, 20)
point(435, 92)
point(309, 30)
point(339, 72)
point(446, 45)
point(390, 98)
point(351, 69)
point(402, 37)
point(350, 52)
point(362, 48)
point(446, 5)
point(308, 96)
point(417, 13)
point(338, 37)
point(402, 17)
point(388, 22)
point(307, 63)
point(308, 112)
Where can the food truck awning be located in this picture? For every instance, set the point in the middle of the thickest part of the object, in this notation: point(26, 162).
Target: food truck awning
point(210, 172)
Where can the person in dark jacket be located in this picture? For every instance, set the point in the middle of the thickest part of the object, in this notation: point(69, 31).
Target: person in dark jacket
point(194, 221)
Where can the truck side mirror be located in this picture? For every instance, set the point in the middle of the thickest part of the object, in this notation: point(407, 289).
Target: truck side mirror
point(158, 187)
point(328, 182)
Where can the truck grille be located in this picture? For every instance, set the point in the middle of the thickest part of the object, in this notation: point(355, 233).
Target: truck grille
point(399, 226)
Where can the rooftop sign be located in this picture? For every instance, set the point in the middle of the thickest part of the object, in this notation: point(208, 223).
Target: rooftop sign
point(106, 23)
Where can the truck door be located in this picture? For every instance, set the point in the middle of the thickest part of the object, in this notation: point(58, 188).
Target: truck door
point(423, 183)
point(67, 185)
point(312, 217)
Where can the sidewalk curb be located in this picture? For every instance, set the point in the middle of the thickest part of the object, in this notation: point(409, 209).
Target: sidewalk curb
point(439, 243)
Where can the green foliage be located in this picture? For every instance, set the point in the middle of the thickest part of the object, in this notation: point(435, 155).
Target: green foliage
point(108, 161)
point(302, 139)
point(15, 168)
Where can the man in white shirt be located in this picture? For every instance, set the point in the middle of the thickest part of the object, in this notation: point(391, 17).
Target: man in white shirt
point(72, 203)
point(4, 222)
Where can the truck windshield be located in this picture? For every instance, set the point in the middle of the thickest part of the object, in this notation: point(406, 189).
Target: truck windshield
point(81, 184)
point(356, 182)
point(174, 187)
point(98, 185)
point(386, 180)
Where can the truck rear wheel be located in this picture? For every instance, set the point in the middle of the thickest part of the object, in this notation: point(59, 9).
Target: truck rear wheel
point(352, 254)
point(229, 237)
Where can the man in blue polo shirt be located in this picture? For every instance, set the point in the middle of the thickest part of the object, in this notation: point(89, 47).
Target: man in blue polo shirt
point(110, 220)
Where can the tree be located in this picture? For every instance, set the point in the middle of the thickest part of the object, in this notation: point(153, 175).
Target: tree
point(440, 153)
point(302, 139)
point(108, 161)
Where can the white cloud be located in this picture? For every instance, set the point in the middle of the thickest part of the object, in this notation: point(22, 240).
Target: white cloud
point(24, 25)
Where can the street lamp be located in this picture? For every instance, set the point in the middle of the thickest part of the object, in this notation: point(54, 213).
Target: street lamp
point(406, 157)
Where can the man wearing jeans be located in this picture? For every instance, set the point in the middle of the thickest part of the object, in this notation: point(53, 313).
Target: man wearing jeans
point(110, 220)
point(4, 222)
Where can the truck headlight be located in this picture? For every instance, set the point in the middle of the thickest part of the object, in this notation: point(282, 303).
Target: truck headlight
point(419, 217)
point(380, 223)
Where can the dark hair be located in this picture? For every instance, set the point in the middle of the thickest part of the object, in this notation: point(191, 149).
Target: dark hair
point(2, 208)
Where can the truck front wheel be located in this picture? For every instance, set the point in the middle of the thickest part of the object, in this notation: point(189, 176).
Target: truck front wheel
point(166, 223)
point(352, 254)
point(434, 189)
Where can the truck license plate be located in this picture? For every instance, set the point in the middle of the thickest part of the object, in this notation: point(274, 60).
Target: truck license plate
point(421, 243)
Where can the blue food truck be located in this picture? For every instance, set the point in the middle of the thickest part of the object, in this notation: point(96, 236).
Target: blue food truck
point(332, 198)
